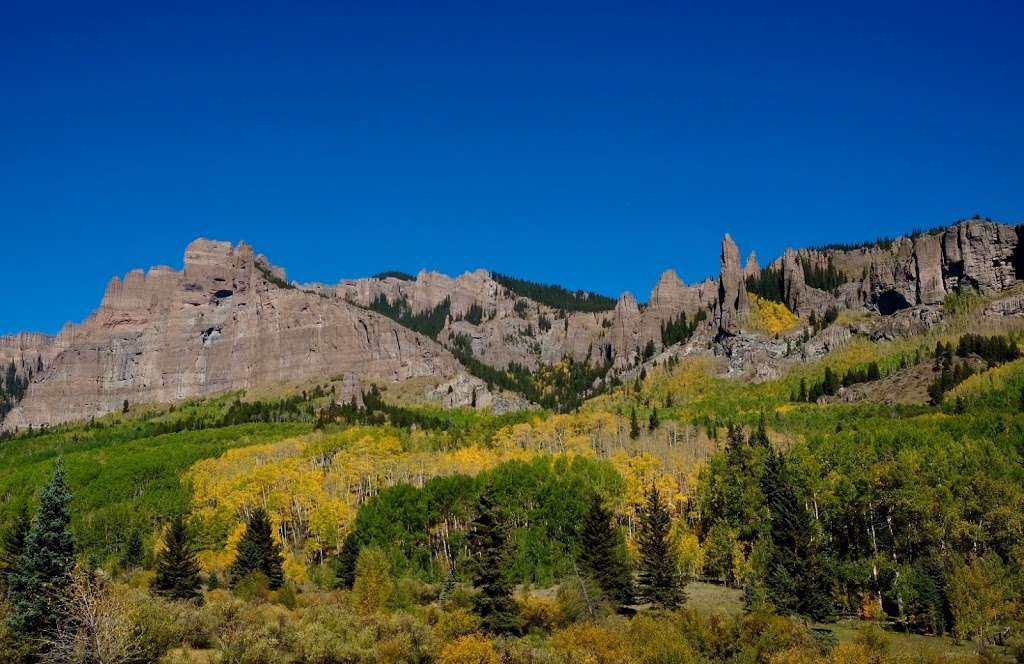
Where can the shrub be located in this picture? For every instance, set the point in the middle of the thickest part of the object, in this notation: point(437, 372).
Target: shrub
point(471, 649)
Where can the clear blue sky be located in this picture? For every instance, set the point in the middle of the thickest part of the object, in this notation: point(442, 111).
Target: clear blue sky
point(591, 145)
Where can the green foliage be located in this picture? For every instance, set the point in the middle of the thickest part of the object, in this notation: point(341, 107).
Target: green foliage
point(603, 554)
point(487, 545)
point(12, 545)
point(659, 579)
point(133, 554)
point(177, 568)
point(394, 274)
point(679, 330)
point(546, 500)
point(39, 585)
point(768, 283)
point(428, 322)
point(795, 578)
point(556, 296)
point(258, 552)
point(826, 278)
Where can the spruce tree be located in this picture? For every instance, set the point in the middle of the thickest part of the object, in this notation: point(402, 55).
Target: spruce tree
point(493, 603)
point(795, 579)
point(760, 435)
point(39, 586)
point(12, 545)
point(653, 422)
point(659, 580)
point(177, 569)
point(133, 553)
point(634, 425)
point(602, 553)
point(258, 552)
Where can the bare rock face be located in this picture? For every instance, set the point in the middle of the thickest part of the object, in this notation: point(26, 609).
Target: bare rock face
point(732, 292)
point(980, 254)
point(220, 324)
point(803, 300)
point(931, 288)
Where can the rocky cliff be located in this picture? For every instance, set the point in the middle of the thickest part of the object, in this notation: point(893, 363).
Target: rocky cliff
point(227, 321)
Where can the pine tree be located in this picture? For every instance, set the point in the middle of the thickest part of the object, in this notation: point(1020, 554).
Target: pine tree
point(634, 425)
point(602, 553)
point(12, 546)
point(760, 435)
point(39, 586)
point(177, 569)
point(802, 396)
point(494, 603)
point(796, 579)
point(345, 563)
point(659, 580)
point(258, 552)
point(652, 421)
point(133, 554)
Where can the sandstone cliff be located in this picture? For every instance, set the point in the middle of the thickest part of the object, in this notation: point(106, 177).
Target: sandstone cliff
point(227, 321)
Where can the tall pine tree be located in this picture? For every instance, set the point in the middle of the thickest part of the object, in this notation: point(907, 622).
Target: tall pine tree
point(258, 552)
point(39, 586)
point(493, 603)
point(177, 569)
point(602, 553)
point(660, 580)
point(795, 579)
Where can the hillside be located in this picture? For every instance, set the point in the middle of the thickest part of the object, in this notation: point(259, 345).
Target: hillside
point(763, 481)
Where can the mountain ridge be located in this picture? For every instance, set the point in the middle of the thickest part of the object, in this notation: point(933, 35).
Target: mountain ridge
point(230, 319)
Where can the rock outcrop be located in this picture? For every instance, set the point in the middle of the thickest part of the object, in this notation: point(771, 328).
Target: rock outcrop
point(227, 321)
point(732, 303)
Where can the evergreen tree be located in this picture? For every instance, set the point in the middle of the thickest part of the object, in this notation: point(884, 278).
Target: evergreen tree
point(345, 563)
point(653, 422)
point(760, 435)
point(12, 545)
point(659, 580)
point(634, 425)
point(133, 554)
point(795, 579)
point(493, 603)
point(258, 552)
point(603, 555)
point(39, 586)
point(802, 396)
point(177, 569)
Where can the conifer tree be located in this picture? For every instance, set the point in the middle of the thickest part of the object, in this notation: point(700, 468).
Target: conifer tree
point(494, 603)
point(345, 563)
point(133, 553)
point(659, 580)
point(760, 435)
point(795, 579)
point(12, 545)
point(258, 552)
point(653, 422)
point(802, 396)
point(603, 555)
point(177, 569)
point(634, 425)
point(40, 583)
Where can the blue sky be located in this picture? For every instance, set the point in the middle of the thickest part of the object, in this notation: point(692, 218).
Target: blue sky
point(592, 145)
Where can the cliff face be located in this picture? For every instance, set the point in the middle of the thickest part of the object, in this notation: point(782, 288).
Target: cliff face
point(921, 270)
point(228, 320)
point(222, 323)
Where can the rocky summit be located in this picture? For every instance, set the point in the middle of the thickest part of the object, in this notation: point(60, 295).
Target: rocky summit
point(230, 320)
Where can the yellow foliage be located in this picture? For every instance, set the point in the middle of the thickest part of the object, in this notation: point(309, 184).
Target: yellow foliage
point(471, 649)
point(769, 316)
point(587, 643)
point(990, 380)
